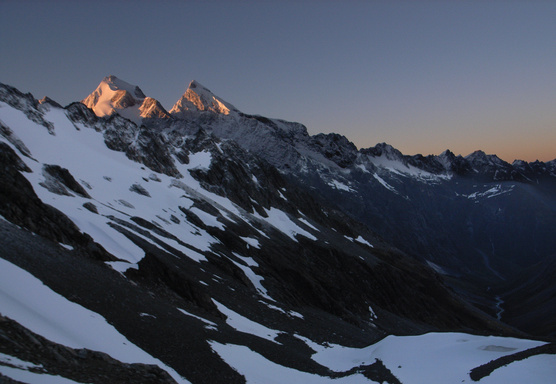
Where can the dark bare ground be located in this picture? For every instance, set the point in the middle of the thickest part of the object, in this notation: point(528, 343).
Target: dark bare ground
point(82, 365)
point(478, 373)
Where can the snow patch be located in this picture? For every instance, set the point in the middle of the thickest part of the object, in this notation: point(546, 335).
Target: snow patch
point(208, 324)
point(361, 240)
point(384, 183)
point(283, 223)
point(428, 358)
point(254, 279)
point(340, 186)
point(200, 160)
point(257, 369)
point(122, 266)
point(251, 242)
point(244, 325)
point(308, 224)
point(497, 190)
point(17, 363)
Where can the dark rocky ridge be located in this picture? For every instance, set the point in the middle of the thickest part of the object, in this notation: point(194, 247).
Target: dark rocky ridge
point(478, 373)
point(81, 365)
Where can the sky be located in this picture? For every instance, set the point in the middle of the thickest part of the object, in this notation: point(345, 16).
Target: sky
point(423, 76)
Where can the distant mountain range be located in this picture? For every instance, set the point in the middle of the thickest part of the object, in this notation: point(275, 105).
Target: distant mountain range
point(202, 244)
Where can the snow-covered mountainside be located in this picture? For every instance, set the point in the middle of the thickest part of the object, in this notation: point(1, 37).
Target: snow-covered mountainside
point(207, 245)
point(479, 218)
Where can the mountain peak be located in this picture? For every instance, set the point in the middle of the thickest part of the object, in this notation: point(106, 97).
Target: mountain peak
point(114, 95)
point(447, 153)
point(116, 84)
point(386, 150)
point(199, 98)
point(480, 157)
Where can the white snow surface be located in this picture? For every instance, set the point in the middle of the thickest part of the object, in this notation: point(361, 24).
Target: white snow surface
point(245, 325)
point(251, 242)
point(281, 221)
point(208, 324)
point(254, 279)
point(11, 360)
point(340, 186)
point(28, 377)
point(304, 221)
point(538, 369)
point(35, 306)
point(384, 183)
point(361, 240)
point(102, 100)
point(399, 168)
point(259, 370)
point(108, 183)
point(437, 357)
point(497, 190)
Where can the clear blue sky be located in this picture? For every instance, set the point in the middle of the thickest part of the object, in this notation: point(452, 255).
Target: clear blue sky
point(423, 76)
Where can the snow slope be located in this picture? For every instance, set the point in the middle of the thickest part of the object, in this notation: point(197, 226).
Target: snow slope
point(430, 358)
point(35, 306)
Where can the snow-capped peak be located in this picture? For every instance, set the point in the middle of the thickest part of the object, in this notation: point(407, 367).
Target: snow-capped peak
point(115, 95)
point(199, 98)
point(117, 84)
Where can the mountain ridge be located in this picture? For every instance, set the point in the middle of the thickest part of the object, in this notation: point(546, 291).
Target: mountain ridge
point(242, 237)
point(198, 98)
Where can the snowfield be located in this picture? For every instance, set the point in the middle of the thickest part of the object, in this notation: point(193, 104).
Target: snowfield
point(431, 358)
point(437, 357)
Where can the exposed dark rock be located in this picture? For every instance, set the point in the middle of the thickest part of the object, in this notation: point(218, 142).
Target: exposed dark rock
point(26, 103)
point(48, 101)
point(123, 99)
point(138, 188)
point(82, 365)
point(152, 267)
point(57, 175)
point(484, 370)
point(7, 133)
point(139, 144)
point(378, 373)
point(20, 205)
point(8, 380)
point(91, 207)
point(529, 300)
point(336, 148)
point(79, 113)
